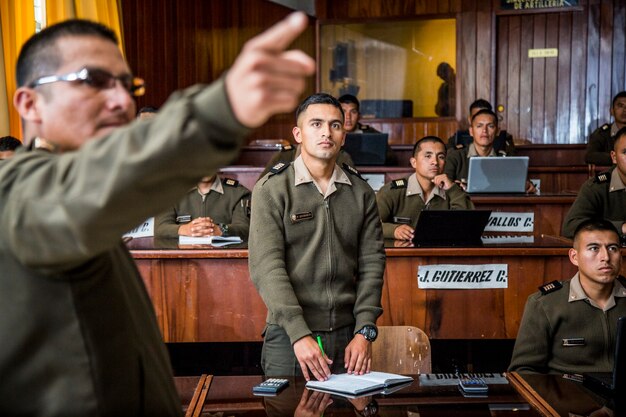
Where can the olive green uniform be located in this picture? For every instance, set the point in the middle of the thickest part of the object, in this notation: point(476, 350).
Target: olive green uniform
point(401, 202)
point(602, 196)
point(227, 203)
point(289, 153)
point(562, 331)
point(600, 145)
point(79, 333)
point(317, 261)
point(457, 162)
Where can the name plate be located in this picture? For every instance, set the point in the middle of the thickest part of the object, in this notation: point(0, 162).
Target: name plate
point(471, 277)
point(145, 229)
point(500, 221)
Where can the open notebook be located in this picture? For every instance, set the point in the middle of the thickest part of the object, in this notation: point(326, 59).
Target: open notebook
point(355, 385)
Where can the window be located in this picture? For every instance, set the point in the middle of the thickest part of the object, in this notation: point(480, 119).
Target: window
point(396, 69)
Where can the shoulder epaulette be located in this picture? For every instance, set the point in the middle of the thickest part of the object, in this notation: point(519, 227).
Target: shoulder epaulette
point(602, 177)
point(286, 148)
point(352, 170)
point(278, 168)
point(230, 182)
point(459, 146)
point(401, 183)
point(605, 126)
point(550, 287)
point(501, 153)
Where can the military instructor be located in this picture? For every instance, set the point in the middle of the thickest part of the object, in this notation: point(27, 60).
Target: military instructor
point(79, 334)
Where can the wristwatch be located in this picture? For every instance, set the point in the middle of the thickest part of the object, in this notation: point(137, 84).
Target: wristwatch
point(369, 333)
point(223, 228)
point(370, 409)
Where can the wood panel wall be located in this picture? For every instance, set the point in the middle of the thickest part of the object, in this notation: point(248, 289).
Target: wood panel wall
point(176, 44)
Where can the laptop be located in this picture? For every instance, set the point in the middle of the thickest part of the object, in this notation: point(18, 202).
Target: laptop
point(367, 148)
point(450, 228)
point(497, 174)
point(611, 383)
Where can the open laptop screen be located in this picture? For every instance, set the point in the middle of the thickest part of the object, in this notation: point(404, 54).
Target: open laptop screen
point(443, 228)
point(611, 382)
point(367, 148)
point(497, 174)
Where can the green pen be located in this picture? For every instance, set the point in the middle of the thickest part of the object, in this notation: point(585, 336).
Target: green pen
point(319, 342)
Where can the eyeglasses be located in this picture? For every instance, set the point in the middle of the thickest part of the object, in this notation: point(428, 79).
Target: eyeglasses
point(97, 78)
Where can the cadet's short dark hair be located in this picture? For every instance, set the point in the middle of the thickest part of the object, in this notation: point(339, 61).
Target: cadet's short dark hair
point(621, 94)
point(486, 111)
point(425, 139)
point(40, 55)
point(481, 103)
point(350, 99)
point(591, 225)
point(9, 143)
point(318, 98)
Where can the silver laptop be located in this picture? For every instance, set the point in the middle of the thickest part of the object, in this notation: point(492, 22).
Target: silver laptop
point(497, 174)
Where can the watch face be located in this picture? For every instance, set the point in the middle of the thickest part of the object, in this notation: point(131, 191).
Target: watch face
point(369, 333)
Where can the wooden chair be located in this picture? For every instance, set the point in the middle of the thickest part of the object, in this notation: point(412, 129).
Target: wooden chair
point(401, 350)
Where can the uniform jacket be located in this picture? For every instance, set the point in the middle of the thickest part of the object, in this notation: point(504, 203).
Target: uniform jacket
point(600, 145)
point(289, 153)
point(401, 202)
point(79, 334)
point(550, 318)
point(602, 196)
point(318, 263)
point(226, 203)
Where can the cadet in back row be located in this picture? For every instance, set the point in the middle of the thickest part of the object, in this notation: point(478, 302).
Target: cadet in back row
point(400, 202)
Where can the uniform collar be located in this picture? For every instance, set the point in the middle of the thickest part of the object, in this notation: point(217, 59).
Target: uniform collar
point(576, 292)
point(413, 187)
point(303, 176)
point(614, 129)
point(616, 182)
point(216, 186)
point(471, 151)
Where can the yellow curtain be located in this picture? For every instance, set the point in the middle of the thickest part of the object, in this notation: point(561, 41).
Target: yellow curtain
point(106, 12)
point(17, 18)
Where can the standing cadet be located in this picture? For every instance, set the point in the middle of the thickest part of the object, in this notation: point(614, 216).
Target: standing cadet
point(603, 196)
point(316, 254)
point(600, 143)
point(215, 207)
point(570, 326)
point(400, 202)
point(79, 334)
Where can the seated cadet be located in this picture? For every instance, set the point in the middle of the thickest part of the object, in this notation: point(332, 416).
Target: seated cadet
point(484, 129)
point(352, 114)
point(289, 153)
point(600, 142)
point(215, 207)
point(503, 143)
point(604, 195)
point(8, 146)
point(570, 326)
point(400, 202)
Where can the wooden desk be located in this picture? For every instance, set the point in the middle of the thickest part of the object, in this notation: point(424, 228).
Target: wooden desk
point(554, 396)
point(554, 179)
point(232, 395)
point(206, 295)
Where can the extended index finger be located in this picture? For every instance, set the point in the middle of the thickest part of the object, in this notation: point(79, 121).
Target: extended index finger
point(278, 37)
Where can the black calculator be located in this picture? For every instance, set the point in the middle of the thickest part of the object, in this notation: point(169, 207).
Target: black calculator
point(270, 386)
point(473, 385)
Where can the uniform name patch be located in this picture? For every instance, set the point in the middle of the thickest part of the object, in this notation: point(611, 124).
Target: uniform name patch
point(298, 217)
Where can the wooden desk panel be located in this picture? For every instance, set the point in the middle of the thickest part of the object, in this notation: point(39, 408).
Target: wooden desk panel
point(207, 295)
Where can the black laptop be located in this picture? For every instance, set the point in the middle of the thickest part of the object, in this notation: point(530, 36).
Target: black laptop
point(367, 148)
point(450, 228)
point(611, 383)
